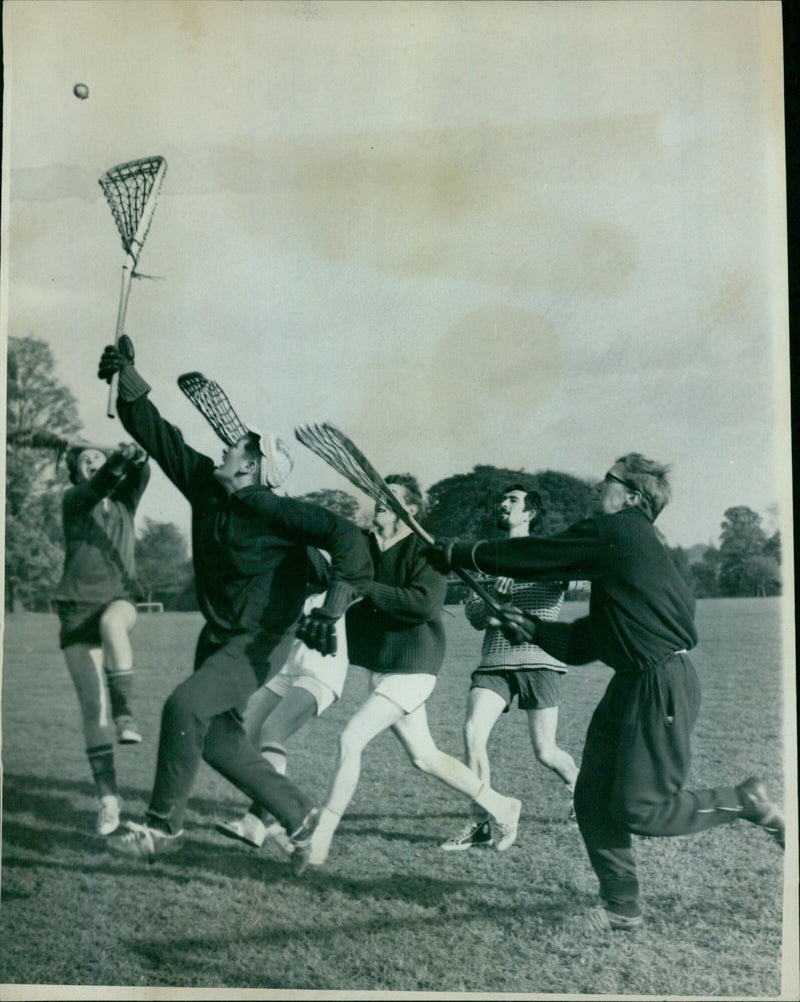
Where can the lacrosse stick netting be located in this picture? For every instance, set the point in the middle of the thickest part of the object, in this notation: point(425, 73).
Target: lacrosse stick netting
point(342, 455)
point(210, 399)
point(131, 190)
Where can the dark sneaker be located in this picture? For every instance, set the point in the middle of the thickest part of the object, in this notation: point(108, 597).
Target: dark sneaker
point(760, 809)
point(301, 842)
point(127, 731)
point(143, 842)
point(599, 921)
point(475, 834)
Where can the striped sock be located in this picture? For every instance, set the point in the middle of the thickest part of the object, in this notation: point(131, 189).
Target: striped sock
point(101, 761)
point(275, 754)
point(120, 688)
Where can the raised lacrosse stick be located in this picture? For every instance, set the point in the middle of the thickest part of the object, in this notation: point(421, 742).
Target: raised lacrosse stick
point(131, 190)
point(340, 453)
point(212, 402)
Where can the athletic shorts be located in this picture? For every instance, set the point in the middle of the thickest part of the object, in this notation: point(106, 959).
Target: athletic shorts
point(535, 688)
point(406, 689)
point(322, 675)
point(80, 622)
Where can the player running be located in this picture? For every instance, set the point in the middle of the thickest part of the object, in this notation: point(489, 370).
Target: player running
point(251, 567)
point(396, 633)
point(307, 683)
point(513, 671)
point(95, 601)
point(641, 624)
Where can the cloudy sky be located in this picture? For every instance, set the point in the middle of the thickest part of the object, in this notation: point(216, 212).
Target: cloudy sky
point(530, 235)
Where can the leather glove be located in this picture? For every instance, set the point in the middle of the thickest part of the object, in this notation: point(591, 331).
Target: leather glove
point(317, 630)
point(119, 359)
point(516, 626)
point(126, 453)
point(503, 587)
point(440, 555)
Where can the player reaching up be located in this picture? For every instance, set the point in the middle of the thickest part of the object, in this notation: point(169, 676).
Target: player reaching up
point(640, 623)
point(396, 633)
point(95, 601)
point(251, 567)
point(514, 671)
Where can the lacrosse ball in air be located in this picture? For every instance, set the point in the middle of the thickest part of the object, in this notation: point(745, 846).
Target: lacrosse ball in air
point(81, 91)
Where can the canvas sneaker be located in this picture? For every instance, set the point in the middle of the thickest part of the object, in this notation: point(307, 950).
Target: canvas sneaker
point(108, 815)
point(143, 842)
point(249, 829)
point(277, 833)
point(301, 842)
point(127, 731)
point(505, 828)
point(475, 834)
point(759, 808)
point(599, 921)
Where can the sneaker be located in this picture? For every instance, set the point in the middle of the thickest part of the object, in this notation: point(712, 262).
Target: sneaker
point(476, 833)
point(127, 731)
point(760, 810)
point(249, 829)
point(108, 815)
point(277, 833)
point(599, 921)
point(143, 842)
point(301, 842)
point(506, 827)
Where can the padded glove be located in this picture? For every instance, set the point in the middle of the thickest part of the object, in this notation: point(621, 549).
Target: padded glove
point(119, 359)
point(317, 630)
point(516, 626)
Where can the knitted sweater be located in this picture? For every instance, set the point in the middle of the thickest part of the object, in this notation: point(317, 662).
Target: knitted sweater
point(398, 626)
point(538, 598)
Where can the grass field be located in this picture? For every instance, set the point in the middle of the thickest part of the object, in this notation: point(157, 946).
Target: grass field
point(389, 911)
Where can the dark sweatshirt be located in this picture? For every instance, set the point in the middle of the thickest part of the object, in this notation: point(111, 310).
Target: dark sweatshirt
point(398, 626)
point(249, 548)
point(99, 536)
point(640, 610)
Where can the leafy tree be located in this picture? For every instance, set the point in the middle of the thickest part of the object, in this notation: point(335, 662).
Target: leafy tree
point(162, 563)
point(705, 573)
point(466, 504)
point(681, 561)
point(742, 541)
point(339, 502)
point(35, 400)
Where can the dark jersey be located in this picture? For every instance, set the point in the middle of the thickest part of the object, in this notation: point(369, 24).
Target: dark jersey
point(99, 538)
point(249, 548)
point(641, 610)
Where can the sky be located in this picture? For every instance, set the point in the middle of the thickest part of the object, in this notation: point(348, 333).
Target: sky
point(536, 236)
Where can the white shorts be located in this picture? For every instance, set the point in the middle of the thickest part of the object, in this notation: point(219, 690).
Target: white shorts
point(408, 690)
point(322, 675)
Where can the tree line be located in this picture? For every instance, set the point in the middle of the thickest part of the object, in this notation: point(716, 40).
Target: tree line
point(746, 562)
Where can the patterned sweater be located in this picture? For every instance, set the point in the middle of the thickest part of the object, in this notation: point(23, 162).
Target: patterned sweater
point(538, 598)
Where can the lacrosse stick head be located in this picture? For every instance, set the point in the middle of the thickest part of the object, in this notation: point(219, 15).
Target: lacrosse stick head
point(131, 190)
point(212, 402)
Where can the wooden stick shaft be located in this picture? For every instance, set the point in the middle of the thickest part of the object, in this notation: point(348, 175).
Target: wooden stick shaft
point(127, 275)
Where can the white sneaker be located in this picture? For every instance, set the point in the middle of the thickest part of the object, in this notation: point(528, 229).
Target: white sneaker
point(278, 834)
point(506, 826)
point(320, 847)
point(108, 815)
point(249, 829)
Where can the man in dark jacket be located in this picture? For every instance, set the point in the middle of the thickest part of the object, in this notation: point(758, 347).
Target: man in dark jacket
point(641, 624)
point(251, 565)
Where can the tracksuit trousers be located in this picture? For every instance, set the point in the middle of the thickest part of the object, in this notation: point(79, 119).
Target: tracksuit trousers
point(202, 720)
point(634, 767)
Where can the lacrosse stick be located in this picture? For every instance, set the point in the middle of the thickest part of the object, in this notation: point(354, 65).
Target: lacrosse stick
point(210, 399)
point(38, 438)
point(131, 190)
point(340, 453)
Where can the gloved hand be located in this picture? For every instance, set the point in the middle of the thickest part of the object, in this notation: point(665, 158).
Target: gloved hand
point(516, 626)
point(126, 453)
point(503, 587)
point(318, 629)
point(119, 359)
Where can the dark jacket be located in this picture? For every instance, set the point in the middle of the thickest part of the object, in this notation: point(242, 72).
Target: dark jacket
point(249, 548)
point(99, 537)
point(640, 611)
point(398, 626)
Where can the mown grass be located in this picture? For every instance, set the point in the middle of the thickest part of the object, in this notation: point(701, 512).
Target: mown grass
point(389, 911)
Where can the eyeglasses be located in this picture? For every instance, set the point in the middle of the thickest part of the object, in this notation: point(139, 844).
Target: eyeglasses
point(619, 480)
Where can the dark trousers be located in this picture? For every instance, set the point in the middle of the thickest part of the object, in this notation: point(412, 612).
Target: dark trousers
point(202, 719)
point(635, 764)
